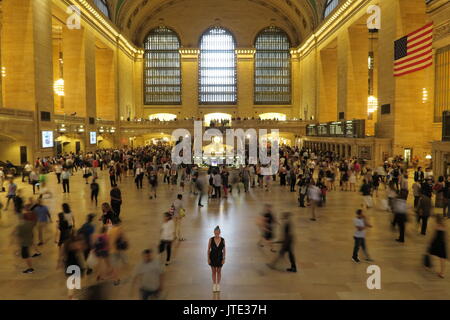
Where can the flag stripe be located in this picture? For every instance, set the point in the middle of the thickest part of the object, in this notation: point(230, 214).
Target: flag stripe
point(421, 35)
point(420, 49)
point(414, 57)
point(413, 64)
point(421, 29)
point(414, 70)
point(419, 42)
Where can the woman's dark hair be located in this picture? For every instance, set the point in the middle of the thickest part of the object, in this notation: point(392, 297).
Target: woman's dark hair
point(106, 206)
point(441, 179)
point(217, 228)
point(66, 208)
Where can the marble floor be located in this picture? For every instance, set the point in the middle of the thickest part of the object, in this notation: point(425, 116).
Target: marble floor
point(323, 248)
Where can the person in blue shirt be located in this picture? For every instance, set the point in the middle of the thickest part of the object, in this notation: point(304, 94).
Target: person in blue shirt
point(43, 219)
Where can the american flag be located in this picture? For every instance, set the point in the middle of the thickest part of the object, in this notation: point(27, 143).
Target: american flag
point(414, 52)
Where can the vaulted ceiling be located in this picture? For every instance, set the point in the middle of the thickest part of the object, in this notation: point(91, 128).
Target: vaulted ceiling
point(190, 18)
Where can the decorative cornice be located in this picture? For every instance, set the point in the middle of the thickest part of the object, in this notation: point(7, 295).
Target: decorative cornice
point(441, 31)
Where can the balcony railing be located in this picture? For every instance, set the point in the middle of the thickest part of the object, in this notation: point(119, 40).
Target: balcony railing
point(66, 118)
point(14, 113)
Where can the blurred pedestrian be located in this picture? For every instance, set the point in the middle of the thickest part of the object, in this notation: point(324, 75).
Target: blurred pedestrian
point(287, 244)
point(148, 275)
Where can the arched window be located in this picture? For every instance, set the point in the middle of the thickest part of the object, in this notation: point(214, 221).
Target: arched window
point(217, 80)
point(329, 7)
point(103, 7)
point(272, 67)
point(162, 68)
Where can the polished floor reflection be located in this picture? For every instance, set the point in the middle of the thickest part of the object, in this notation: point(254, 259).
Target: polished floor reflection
point(323, 248)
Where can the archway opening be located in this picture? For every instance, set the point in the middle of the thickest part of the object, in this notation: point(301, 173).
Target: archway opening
point(273, 116)
point(162, 116)
point(217, 118)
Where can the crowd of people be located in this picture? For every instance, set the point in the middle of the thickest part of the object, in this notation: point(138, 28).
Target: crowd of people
point(99, 250)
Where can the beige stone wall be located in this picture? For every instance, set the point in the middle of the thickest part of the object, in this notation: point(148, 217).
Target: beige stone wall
point(18, 54)
point(126, 84)
point(105, 83)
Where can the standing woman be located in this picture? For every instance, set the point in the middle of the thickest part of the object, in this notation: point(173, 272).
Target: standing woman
point(216, 257)
point(438, 246)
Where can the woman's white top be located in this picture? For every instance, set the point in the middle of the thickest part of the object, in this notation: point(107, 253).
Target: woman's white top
point(168, 230)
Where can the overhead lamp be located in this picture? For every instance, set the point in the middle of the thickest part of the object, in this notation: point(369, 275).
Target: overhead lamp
point(58, 87)
point(424, 95)
point(372, 104)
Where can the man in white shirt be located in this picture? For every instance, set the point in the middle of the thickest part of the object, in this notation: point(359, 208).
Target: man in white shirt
point(360, 236)
point(167, 236)
point(26, 172)
point(65, 175)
